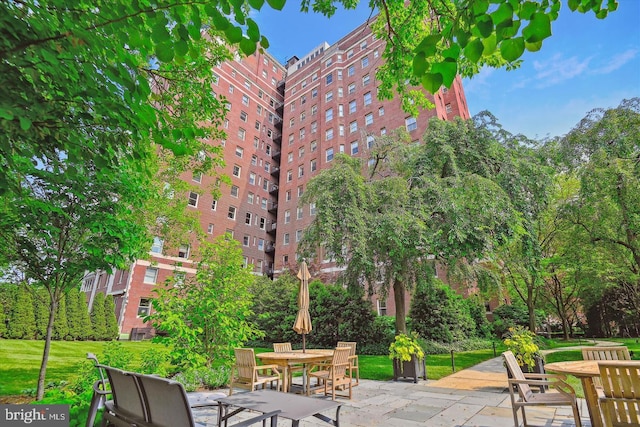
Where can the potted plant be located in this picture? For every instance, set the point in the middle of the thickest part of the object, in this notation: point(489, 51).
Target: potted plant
point(522, 344)
point(408, 358)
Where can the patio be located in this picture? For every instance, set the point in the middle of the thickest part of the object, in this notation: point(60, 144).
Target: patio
point(473, 397)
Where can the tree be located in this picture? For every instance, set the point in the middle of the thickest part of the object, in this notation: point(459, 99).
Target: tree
point(206, 317)
point(78, 315)
point(604, 151)
point(41, 310)
point(60, 324)
point(69, 217)
point(22, 320)
point(111, 323)
point(98, 318)
point(385, 221)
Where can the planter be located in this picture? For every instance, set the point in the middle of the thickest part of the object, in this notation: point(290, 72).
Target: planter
point(414, 368)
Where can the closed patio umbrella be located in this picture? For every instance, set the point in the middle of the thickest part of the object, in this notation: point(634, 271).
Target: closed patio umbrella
point(303, 319)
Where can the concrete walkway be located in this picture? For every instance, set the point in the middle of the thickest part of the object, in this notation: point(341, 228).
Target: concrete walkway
point(476, 397)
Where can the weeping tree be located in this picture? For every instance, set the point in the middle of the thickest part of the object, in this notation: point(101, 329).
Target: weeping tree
point(385, 218)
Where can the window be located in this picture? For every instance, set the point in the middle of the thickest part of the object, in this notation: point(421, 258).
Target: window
point(247, 218)
point(287, 217)
point(448, 108)
point(329, 96)
point(261, 244)
point(289, 175)
point(365, 80)
point(254, 160)
point(300, 191)
point(291, 122)
point(350, 53)
point(291, 139)
point(285, 239)
point(354, 147)
point(382, 308)
point(383, 131)
point(367, 98)
point(300, 171)
point(303, 116)
point(314, 93)
point(245, 240)
point(341, 130)
point(328, 135)
point(314, 127)
point(302, 133)
point(381, 111)
point(328, 62)
point(216, 79)
point(351, 88)
point(214, 205)
point(197, 177)
point(239, 151)
point(252, 178)
point(231, 88)
point(210, 229)
point(243, 116)
point(232, 213)
point(183, 251)
point(340, 92)
point(339, 74)
point(363, 45)
point(257, 125)
point(193, 199)
point(328, 79)
point(329, 154)
point(312, 209)
point(368, 119)
point(341, 149)
point(263, 223)
point(151, 275)
point(364, 62)
point(241, 134)
point(301, 152)
point(370, 140)
point(236, 171)
point(267, 166)
point(287, 196)
point(263, 204)
point(353, 126)
point(375, 53)
point(157, 245)
point(314, 110)
point(313, 146)
point(411, 123)
point(144, 307)
point(299, 213)
point(352, 107)
point(245, 100)
point(290, 157)
point(267, 149)
point(328, 115)
point(234, 190)
point(250, 198)
point(313, 165)
point(340, 110)
point(351, 70)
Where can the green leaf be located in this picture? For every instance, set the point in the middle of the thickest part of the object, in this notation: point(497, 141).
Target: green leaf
point(453, 52)
point(447, 69)
point(490, 45)
point(234, 34)
point(484, 24)
point(164, 52)
point(183, 32)
point(420, 64)
point(480, 7)
point(428, 44)
point(527, 9)
point(25, 123)
point(506, 31)
point(573, 4)
point(276, 4)
point(432, 82)
point(252, 30)
point(512, 49)
point(6, 114)
point(533, 47)
point(182, 48)
point(474, 50)
point(462, 37)
point(264, 42)
point(247, 46)
point(503, 13)
point(160, 33)
point(256, 4)
point(539, 28)
point(219, 22)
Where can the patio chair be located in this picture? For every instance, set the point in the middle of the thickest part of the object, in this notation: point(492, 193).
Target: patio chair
point(168, 405)
point(353, 359)
point(285, 347)
point(621, 400)
point(246, 373)
point(605, 353)
point(566, 395)
point(333, 376)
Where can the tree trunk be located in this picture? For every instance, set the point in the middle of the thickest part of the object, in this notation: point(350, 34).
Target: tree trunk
point(531, 306)
point(401, 313)
point(47, 348)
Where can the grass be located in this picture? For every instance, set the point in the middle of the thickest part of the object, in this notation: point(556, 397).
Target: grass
point(20, 361)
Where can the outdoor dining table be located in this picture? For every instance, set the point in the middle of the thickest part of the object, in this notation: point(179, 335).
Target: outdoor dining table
point(287, 358)
point(586, 370)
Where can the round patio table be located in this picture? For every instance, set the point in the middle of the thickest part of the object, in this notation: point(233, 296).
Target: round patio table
point(586, 370)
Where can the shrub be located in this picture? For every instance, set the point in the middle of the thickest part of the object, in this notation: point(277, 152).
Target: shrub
point(198, 378)
point(404, 347)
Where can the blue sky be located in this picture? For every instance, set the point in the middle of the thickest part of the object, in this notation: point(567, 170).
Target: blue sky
point(587, 63)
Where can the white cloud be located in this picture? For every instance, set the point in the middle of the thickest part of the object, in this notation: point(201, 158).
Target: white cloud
point(558, 69)
point(480, 84)
point(617, 61)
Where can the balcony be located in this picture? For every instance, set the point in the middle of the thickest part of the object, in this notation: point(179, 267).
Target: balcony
point(270, 248)
point(273, 208)
point(271, 229)
point(273, 190)
point(276, 156)
point(275, 172)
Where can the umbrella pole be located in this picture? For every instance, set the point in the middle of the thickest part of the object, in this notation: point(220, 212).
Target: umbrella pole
point(304, 347)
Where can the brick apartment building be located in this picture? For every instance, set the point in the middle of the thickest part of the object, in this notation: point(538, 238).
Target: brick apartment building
point(285, 124)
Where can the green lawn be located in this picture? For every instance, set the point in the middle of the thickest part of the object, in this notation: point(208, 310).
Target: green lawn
point(20, 361)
